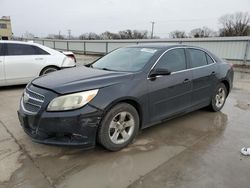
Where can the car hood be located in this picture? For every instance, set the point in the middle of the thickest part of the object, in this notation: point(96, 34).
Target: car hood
point(80, 79)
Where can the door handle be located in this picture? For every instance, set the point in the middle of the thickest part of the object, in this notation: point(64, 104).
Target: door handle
point(39, 58)
point(186, 80)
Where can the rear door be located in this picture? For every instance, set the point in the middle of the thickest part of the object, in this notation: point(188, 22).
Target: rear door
point(23, 62)
point(204, 76)
point(170, 94)
point(2, 74)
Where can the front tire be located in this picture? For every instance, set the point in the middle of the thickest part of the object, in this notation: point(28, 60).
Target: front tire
point(219, 98)
point(119, 127)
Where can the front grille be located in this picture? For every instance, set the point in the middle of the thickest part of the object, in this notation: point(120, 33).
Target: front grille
point(32, 101)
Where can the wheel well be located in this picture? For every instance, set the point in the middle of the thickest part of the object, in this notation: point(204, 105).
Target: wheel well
point(50, 66)
point(135, 104)
point(226, 83)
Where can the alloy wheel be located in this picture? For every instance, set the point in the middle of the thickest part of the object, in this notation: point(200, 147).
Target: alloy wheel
point(121, 127)
point(220, 97)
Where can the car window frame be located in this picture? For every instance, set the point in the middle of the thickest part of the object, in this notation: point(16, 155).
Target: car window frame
point(185, 55)
point(187, 60)
point(206, 54)
point(190, 59)
point(6, 51)
point(153, 66)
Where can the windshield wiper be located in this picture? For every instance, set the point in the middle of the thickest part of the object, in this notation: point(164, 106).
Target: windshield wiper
point(89, 65)
point(106, 69)
point(103, 68)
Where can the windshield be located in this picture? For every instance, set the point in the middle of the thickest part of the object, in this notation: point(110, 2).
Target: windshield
point(125, 59)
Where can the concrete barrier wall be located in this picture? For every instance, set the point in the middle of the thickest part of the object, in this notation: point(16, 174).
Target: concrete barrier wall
point(234, 49)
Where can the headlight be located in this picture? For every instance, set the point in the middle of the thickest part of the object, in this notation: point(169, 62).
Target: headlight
point(72, 101)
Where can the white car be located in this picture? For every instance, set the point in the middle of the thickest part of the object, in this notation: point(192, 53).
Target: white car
point(20, 62)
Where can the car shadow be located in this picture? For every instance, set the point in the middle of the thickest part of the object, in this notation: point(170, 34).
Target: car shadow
point(5, 88)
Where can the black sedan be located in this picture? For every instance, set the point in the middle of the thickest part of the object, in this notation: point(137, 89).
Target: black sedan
point(129, 89)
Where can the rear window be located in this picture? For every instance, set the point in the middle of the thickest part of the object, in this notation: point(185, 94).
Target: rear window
point(209, 59)
point(24, 49)
point(197, 57)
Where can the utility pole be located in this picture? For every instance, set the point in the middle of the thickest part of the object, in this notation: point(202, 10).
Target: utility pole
point(69, 33)
point(152, 31)
point(59, 34)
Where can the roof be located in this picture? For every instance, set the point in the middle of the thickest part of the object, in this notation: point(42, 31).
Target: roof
point(158, 45)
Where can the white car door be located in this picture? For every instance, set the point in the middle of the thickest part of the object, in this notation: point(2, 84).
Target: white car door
point(2, 74)
point(23, 62)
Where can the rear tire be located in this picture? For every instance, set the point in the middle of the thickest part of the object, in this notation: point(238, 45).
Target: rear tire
point(49, 69)
point(119, 127)
point(218, 98)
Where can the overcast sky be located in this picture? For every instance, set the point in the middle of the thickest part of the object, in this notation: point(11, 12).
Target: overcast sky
point(43, 17)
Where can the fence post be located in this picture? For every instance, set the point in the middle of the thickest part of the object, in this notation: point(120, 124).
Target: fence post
point(84, 48)
point(246, 52)
point(67, 45)
point(43, 42)
point(107, 48)
point(54, 44)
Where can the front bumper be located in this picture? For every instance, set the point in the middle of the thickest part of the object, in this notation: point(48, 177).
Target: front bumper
point(68, 128)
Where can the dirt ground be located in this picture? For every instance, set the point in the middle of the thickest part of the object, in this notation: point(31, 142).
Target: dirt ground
point(200, 149)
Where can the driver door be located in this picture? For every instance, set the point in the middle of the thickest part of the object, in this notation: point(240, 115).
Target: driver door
point(170, 94)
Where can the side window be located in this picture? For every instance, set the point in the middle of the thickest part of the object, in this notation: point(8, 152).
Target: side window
point(174, 60)
point(23, 49)
point(40, 51)
point(197, 57)
point(209, 59)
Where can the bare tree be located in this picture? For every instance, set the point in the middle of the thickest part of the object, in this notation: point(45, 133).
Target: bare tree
point(126, 34)
point(135, 34)
point(140, 34)
point(237, 24)
point(89, 36)
point(177, 34)
point(108, 35)
point(202, 32)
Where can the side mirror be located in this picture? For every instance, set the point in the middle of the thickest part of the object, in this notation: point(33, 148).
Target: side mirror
point(159, 72)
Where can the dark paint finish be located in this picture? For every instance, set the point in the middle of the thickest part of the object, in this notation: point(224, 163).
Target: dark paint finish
point(156, 99)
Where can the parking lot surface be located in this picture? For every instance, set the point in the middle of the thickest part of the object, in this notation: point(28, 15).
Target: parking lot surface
point(200, 149)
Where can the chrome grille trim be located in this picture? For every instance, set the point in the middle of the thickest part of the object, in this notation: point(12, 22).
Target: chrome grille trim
point(43, 97)
point(33, 101)
point(38, 100)
point(22, 105)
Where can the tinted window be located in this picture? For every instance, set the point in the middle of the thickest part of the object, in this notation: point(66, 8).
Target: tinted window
point(209, 59)
point(40, 51)
point(1, 49)
point(197, 57)
point(23, 49)
point(174, 60)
